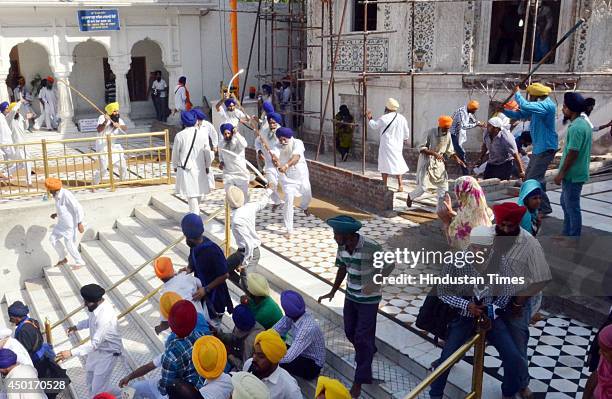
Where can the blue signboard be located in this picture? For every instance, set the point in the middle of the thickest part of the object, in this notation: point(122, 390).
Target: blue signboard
point(98, 20)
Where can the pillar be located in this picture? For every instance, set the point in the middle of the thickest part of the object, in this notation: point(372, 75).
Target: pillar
point(174, 73)
point(4, 92)
point(120, 67)
point(65, 106)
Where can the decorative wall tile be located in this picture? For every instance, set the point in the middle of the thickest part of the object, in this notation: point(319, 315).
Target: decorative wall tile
point(350, 57)
point(467, 52)
point(387, 17)
point(424, 23)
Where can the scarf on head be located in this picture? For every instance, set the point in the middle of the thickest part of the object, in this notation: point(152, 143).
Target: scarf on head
point(529, 217)
point(473, 211)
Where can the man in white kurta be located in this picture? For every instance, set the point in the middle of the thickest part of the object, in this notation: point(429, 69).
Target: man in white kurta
point(6, 138)
point(191, 159)
point(48, 106)
point(232, 112)
point(110, 124)
point(207, 128)
point(8, 342)
point(12, 369)
point(19, 126)
point(232, 159)
point(104, 348)
point(393, 130)
point(293, 174)
point(268, 134)
point(69, 214)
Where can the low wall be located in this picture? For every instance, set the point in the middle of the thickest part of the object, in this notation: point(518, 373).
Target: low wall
point(344, 186)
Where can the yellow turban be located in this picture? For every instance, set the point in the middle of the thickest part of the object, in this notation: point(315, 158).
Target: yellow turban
point(392, 104)
point(53, 184)
point(257, 284)
point(473, 105)
point(166, 301)
point(445, 121)
point(333, 389)
point(11, 106)
point(209, 357)
point(538, 89)
point(112, 107)
point(272, 345)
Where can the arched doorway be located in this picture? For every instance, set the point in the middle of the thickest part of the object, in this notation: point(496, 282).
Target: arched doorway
point(31, 61)
point(146, 60)
point(90, 74)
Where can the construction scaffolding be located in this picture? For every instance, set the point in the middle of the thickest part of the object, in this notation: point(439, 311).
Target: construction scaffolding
point(294, 22)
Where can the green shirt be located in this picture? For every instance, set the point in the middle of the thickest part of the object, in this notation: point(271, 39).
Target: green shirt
point(267, 312)
point(579, 138)
point(361, 270)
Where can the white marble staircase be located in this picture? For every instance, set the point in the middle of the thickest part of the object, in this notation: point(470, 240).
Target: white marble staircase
point(401, 362)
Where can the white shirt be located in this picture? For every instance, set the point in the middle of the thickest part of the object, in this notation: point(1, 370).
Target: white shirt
point(297, 174)
point(390, 157)
point(23, 357)
point(180, 98)
point(160, 86)
point(219, 388)
point(109, 129)
point(192, 181)
point(6, 136)
point(104, 333)
point(232, 155)
point(19, 126)
point(21, 372)
point(280, 383)
point(234, 117)
point(243, 225)
point(185, 285)
point(269, 165)
point(69, 214)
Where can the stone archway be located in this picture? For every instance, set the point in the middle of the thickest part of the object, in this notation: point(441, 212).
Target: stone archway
point(30, 60)
point(147, 57)
point(90, 72)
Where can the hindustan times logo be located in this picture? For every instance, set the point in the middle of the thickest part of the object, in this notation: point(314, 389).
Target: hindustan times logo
point(422, 256)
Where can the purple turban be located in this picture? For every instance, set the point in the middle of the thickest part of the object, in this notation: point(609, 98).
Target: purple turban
point(3, 106)
point(276, 117)
point(574, 101)
point(192, 226)
point(293, 304)
point(268, 107)
point(8, 358)
point(243, 318)
point(199, 114)
point(226, 126)
point(230, 101)
point(284, 132)
point(188, 118)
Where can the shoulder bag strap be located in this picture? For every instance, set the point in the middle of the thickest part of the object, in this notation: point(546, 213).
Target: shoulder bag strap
point(190, 149)
point(390, 123)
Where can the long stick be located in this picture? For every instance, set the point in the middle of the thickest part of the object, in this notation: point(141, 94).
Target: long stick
point(550, 52)
point(257, 172)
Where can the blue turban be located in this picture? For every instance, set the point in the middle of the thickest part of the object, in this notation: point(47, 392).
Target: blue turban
point(344, 224)
point(243, 318)
point(8, 358)
point(293, 304)
point(18, 309)
point(267, 88)
point(192, 226)
point(199, 114)
point(268, 107)
point(3, 106)
point(284, 132)
point(574, 101)
point(276, 117)
point(230, 101)
point(188, 118)
point(226, 126)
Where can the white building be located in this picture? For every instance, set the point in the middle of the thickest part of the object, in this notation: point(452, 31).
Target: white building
point(178, 37)
point(461, 44)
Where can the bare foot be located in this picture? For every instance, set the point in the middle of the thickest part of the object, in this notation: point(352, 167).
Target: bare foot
point(61, 262)
point(408, 202)
point(355, 390)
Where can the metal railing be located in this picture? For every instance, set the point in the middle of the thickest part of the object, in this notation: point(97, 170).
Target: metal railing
point(50, 326)
point(478, 342)
point(146, 157)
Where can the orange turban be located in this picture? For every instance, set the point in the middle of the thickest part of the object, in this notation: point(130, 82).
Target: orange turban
point(445, 121)
point(166, 301)
point(53, 184)
point(50, 79)
point(473, 105)
point(511, 105)
point(163, 267)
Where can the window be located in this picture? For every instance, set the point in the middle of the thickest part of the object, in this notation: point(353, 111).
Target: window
point(137, 79)
point(507, 27)
point(358, 16)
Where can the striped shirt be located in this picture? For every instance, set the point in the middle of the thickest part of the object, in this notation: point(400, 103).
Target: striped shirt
point(526, 259)
point(308, 340)
point(361, 270)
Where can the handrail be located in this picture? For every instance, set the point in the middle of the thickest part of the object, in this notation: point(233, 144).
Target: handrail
point(130, 275)
point(478, 342)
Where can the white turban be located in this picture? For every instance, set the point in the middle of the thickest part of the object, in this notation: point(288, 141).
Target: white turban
point(247, 386)
point(5, 332)
point(392, 104)
point(500, 122)
point(235, 197)
point(482, 235)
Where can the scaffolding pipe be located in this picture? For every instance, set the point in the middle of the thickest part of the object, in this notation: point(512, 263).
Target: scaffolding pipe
point(364, 135)
point(525, 26)
point(533, 36)
point(333, 94)
point(412, 78)
point(255, 30)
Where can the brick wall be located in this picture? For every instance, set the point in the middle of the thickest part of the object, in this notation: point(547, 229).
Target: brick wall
point(345, 186)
